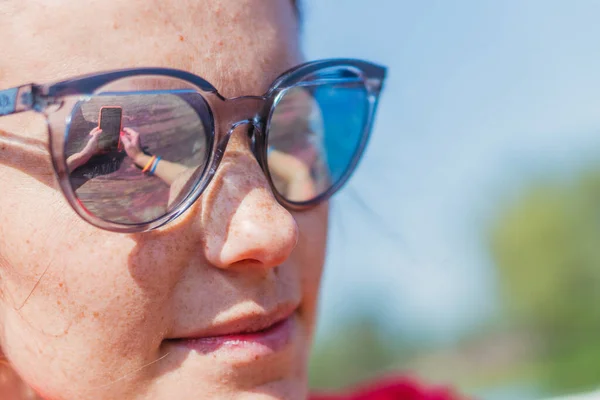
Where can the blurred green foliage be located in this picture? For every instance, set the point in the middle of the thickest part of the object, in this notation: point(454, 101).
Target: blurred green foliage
point(546, 246)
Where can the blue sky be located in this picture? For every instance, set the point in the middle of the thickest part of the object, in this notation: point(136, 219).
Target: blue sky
point(481, 98)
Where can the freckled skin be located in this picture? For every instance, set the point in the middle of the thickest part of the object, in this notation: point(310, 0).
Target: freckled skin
point(84, 311)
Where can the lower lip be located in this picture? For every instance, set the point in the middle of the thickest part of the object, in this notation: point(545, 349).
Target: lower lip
point(253, 345)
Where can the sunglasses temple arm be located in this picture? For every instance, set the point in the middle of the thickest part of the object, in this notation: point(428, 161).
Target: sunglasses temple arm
point(17, 99)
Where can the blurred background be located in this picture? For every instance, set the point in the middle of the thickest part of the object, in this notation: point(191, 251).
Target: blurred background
point(466, 248)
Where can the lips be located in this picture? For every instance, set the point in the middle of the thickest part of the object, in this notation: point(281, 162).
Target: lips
point(244, 324)
point(244, 337)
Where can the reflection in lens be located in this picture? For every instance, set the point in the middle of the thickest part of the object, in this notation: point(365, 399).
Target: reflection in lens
point(314, 134)
point(117, 175)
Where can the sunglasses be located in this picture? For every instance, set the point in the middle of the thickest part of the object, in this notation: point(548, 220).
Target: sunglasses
point(133, 149)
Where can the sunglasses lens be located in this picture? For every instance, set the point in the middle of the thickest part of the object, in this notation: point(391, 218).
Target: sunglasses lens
point(134, 156)
point(316, 133)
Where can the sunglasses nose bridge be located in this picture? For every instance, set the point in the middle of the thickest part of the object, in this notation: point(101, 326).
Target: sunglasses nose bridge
point(234, 113)
point(244, 110)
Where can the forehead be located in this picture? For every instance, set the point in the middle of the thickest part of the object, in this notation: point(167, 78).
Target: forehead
point(240, 46)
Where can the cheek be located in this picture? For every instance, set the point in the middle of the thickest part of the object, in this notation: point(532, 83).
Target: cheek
point(69, 297)
point(313, 225)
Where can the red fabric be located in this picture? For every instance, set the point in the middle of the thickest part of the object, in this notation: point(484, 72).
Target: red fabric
point(399, 389)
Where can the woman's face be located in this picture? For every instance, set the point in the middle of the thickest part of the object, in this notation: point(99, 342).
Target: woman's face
point(90, 314)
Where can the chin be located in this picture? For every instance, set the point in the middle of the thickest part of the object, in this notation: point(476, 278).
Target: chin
point(286, 388)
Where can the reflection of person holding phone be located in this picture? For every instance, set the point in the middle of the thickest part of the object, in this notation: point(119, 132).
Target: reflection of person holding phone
point(91, 148)
point(153, 165)
point(100, 138)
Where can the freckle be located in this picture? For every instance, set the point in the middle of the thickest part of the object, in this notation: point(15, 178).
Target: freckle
point(60, 284)
point(181, 38)
point(96, 314)
point(58, 302)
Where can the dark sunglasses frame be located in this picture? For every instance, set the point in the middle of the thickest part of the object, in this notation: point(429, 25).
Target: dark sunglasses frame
point(226, 115)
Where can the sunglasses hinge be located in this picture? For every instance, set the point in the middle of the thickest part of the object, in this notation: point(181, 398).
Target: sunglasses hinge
point(17, 99)
point(373, 85)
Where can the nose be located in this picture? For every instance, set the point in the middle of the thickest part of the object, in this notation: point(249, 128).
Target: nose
point(243, 224)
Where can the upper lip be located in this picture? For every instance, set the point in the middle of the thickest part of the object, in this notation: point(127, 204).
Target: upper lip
point(245, 323)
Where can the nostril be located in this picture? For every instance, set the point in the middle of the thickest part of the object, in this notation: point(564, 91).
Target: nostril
point(248, 262)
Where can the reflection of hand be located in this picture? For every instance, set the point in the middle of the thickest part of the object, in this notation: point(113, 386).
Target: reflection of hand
point(131, 143)
point(295, 173)
point(165, 170)
point(78, 159)
point(92, 147)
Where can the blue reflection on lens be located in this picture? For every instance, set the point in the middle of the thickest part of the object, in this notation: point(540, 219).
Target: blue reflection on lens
point(344, 112)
